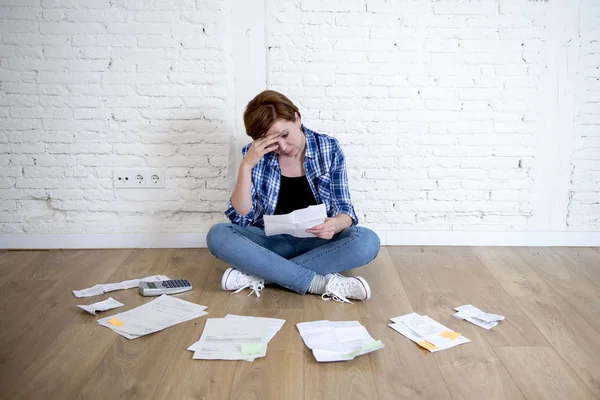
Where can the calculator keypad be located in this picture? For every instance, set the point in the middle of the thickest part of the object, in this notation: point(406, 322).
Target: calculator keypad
point(176, 283)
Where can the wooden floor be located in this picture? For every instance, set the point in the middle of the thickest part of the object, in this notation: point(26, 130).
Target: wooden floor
point(547, 348)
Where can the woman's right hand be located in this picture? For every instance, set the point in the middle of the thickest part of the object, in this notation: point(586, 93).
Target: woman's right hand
point(259, 148)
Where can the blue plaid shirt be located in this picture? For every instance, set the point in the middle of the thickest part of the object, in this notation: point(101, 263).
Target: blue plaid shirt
point(325, 169)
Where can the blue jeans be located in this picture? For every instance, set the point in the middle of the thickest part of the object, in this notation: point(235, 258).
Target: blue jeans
point(289, 261)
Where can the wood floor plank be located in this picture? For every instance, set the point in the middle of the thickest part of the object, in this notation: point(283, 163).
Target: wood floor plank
point(131, 366)
point(401, 369)
point(570, 335)
point(541, 374)
point(349, 380)
point(419, 270)
point(567, 281)
point(53, 266)
point(184, 377)
point(471, 370)
point(586, 259)
point(93, 267)
point(27, 328)
point(59, 374)
point(344, 380)
point(483, 291)
point(46, 308)
point(12, 263)
point(275, 376)
point(546, 348)
point(514, 273)
point(516, 329)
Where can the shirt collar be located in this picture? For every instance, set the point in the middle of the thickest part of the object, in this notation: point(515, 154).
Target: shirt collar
point(311, 143)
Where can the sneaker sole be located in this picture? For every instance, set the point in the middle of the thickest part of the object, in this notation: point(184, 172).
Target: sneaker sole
point(228, 272)
point(365, 286)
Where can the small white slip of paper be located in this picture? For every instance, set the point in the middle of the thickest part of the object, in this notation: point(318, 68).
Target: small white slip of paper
point(477, 317)
point(105, 305)
point(102, 288)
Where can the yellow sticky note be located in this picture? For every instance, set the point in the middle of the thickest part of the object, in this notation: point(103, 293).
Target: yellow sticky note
point(427, 345)
point(450, 335)
point(251, 348)
point(116, 322)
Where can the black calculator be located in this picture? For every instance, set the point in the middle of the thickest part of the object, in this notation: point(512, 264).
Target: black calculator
point(157, 288)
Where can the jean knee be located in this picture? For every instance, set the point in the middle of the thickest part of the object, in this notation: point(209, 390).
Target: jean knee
point(370, 243)
point(216, 235)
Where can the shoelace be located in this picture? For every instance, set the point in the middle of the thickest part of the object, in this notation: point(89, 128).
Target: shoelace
point(332, 294)
point(255, 285)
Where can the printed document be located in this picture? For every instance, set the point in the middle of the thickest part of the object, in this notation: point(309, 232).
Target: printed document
point(274, 325)
point(296, 223)
point(153, 316)
point(232, 339)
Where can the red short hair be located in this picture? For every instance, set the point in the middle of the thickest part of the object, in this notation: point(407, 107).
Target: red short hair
point(264, 109)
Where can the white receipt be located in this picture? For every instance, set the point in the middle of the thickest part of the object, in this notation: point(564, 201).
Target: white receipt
point(477, 317)
point(105, 305)
point(153, 316)
point(337, 341)
point(232, 339)
point(295, 223)
point(102, 288)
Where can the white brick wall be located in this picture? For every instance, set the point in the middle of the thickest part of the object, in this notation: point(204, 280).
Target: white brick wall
point(584, 195)
point(438, 106)
point(89, 86)
point(442, 107)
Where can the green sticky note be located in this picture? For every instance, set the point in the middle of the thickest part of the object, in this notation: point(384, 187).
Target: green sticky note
point(353, 354)
point(371, 346)
point(365, 347)
point(251, 348)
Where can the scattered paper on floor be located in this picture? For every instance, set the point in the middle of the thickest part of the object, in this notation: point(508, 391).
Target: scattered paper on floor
point(477, 317)
point(232, 339)
point(427, 332)
point(105, 305)
point(153, 316)
point(337, 340)
point(274, 325)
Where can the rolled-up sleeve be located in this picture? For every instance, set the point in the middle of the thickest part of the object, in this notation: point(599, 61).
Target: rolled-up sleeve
point(239, 219)
point(341, 202)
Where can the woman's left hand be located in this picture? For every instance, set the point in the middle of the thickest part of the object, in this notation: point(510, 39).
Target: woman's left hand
point(326, 230)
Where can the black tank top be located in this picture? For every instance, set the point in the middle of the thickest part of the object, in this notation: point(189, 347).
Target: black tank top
point(294, 193)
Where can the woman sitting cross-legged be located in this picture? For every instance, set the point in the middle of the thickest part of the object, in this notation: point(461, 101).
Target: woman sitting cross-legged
point(289, 167)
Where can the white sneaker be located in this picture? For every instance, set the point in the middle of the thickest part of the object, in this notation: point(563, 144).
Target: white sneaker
point(341, 288)
point(234, 279)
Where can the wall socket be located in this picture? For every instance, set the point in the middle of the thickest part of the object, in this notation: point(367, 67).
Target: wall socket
point(142, 178)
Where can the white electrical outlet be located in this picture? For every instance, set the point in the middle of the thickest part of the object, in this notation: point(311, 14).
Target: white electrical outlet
point(155, 178)
point(130, 178)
